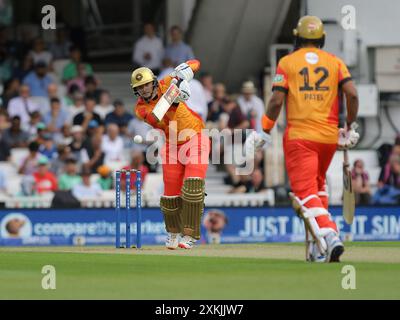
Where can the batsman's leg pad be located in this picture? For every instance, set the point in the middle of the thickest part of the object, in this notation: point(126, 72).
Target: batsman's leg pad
point(171, 207)
point(192, 206)
point(309, 215)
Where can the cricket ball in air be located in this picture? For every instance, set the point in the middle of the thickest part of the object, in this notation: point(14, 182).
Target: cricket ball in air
point(138, 139)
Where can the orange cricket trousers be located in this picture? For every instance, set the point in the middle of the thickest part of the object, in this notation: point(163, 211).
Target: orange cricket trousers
point(180, 162)
point(307, 163)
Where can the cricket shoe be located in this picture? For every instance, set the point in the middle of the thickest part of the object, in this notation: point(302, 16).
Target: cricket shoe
point(172, 240)
point(187, 242)
point(315, 255)
point(335, 247)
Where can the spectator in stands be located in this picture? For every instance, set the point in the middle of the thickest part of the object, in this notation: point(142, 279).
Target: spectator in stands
point(60, 48)
point(361, 184)
point(14, 136)
point(106, 179)
point(233, 120)
point(41, 131)
point(56, 117)
point(34, 123)
point(77, 146)
point(391, 173)
point(40, 54)
point(86, 189)
point(257, 183)
point(177, 50)
point(93, 129)
point(71, 69)
point(70, 178)
point(215, 107)
point(5, 149)
point(22, 70)
point(4, 125)
point(197, 101)
point(45, 180)
point(83, 118)
point(207, 83)
point(77, 106)
point(112, 144)
point(48, 149)
point(252, 106)
point(22, 106)
point(91, 88)
point(11, 89)
point(251, 184)
point(64, 136)
point(38, 80)
point(4, 121)
point(389, 183)
point(236, 118)
point(119, 116)
point(6, 66)
point(148, 50)
point(385, 151)
point(53, 92)
point(104, 106)
point(30, 163)
point(57, 164)
point(3, 189)
point(79, 80)
point(95, 153)
point(166, 68)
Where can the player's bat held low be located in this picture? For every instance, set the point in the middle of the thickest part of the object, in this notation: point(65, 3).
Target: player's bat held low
point(166, 100)
point(349, 203)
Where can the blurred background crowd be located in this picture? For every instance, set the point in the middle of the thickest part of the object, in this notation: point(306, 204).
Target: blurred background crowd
point(65, 131)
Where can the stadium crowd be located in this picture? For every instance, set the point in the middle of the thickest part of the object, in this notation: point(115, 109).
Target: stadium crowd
point(72, 129)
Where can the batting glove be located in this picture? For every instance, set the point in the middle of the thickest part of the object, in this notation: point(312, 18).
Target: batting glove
point(184, 88)
point(348, 138)
point(183, 72)
point(256, 141)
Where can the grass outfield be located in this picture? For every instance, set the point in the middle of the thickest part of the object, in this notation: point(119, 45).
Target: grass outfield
point(262, 271)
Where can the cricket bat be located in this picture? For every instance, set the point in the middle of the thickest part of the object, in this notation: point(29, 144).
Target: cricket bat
point(166, 100)
point(349, 203)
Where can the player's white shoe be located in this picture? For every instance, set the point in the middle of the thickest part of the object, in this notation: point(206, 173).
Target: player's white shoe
point(172, 241)
point(315, 255)
point(187, 242)
point(335, 247)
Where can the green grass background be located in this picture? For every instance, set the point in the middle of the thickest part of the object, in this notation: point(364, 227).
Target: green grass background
point(130, 276)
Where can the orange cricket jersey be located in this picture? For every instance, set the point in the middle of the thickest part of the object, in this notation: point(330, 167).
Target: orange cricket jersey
point(311, 78)
point(185, 117)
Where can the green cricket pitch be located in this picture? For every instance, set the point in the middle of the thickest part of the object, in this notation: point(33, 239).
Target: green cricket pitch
point(250, 271)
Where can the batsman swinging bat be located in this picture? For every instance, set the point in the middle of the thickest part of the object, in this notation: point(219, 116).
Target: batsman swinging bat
point(166, 100)
point(349, 203)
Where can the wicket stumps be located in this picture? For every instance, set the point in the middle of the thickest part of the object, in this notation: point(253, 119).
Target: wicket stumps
point(128, 177)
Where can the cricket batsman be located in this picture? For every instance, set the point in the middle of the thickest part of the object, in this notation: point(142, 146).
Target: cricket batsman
point(311, 80)
point(184, 159)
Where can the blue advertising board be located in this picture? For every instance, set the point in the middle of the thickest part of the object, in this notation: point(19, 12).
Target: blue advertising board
point(225, 225)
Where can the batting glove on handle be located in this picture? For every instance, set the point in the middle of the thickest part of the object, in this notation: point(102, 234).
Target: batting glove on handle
point(184, 89)
point(348, 138)
point(183, 71)
point(256, 141)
